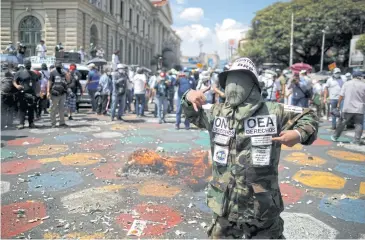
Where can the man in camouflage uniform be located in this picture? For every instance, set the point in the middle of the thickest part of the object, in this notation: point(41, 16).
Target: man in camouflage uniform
point(246, 135)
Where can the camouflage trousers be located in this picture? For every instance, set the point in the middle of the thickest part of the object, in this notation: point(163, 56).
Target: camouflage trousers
point(221, 228)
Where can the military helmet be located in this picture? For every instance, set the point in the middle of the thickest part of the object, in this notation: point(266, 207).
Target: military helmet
point(240, 65)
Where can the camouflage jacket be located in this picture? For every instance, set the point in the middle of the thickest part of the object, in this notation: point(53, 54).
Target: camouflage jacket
point(246, 188)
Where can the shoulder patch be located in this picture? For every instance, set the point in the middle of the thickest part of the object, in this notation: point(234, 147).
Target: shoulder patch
point(295, 109)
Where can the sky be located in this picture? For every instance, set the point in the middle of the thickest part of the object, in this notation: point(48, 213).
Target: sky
point(213, 22)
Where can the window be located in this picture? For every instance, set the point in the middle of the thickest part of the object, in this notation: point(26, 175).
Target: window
point(130, 18)
point(111, 6)
point(138, 23)
point(144, 27)
point(121, 10)
point(148, 33)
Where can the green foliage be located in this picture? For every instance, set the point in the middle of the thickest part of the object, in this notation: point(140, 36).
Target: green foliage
point(254, 50)
point(272, 26)
point(360, 44)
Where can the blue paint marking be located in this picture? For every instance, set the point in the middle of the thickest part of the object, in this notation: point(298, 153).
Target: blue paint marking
point(351, 169)
point(203, 140)
point(351, 210)
point(69, 138)
point(5, 153)
point(201, 204)
point(172, 147)
point(137, 140)
point(55, 181)
point(324, 131)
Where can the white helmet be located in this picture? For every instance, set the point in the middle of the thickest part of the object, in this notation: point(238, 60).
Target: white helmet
point(121, 66)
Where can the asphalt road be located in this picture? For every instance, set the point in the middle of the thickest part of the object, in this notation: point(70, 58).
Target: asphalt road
point(95, 178)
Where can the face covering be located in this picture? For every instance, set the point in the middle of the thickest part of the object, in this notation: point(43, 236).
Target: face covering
point(337, 75)
point(72, 68)
point(121, 71)
point(239, 86)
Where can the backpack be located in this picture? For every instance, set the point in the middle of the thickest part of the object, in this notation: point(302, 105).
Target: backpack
point(161, 89)
point(59, 86)
point(121, 84)
point(7, 86)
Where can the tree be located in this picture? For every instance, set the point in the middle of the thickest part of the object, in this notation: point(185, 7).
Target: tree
point(254, 50)
point(344, 19)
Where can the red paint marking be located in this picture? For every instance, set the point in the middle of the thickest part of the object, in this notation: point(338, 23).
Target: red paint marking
point(24, 142)
point(280, 168)
point(10, 227)
point(292, 193)
point(21, 166)
point(97, 145)
point(107, 171)
point(154, 213)
point(321, 142)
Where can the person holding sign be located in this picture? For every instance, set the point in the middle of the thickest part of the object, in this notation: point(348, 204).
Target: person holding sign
point(246, 134)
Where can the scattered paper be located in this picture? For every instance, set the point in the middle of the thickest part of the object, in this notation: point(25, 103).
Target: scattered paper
point(137, 228)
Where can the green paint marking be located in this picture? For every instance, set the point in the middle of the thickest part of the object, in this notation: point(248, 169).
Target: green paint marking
point(5, 153)
point(340, 139)
point(172, 147)
point(137, 140)
point(205, 143)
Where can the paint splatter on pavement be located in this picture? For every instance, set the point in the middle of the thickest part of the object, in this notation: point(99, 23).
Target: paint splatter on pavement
point(93, 180)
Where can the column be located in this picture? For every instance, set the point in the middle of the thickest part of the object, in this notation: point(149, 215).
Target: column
point(6, 28)
point(51, 30)
point(71, 28)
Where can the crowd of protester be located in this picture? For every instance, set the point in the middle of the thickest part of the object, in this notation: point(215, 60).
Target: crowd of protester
point(338, 98)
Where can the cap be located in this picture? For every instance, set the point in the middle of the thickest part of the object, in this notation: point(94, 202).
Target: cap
point(41, 41)
point(357, 74)
point(121, 66)
point(337, 70)
point(27, 62)
point(240, 65)
point(162, 74)
point(91, 65)
point(348, 74)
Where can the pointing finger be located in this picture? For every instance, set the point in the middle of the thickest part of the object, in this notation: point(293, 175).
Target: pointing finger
point(277, 139)
point(195, 107)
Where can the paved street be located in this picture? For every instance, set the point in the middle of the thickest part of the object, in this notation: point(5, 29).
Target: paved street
point(94, 179)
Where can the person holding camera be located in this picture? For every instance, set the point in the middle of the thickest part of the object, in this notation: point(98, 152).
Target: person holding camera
point(302, 91)
point(57, 89)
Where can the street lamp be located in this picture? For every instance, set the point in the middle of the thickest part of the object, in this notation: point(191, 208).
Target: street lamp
point(323, 41)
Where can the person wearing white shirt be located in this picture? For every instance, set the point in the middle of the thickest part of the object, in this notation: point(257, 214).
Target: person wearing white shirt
point(41, 49)
point(140, 82)
point(115, 60)
point(82, 54)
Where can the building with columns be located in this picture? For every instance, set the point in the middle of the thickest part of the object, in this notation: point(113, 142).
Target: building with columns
point(137, 28)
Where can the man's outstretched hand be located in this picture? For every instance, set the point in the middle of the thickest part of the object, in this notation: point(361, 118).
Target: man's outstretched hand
point(288, 138)
point(196, 98)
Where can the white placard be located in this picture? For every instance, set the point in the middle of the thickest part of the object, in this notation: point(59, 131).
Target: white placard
point(261, 125)
point(261, 140)
point(221, 139)
point(221, 154)
point(295, 109)
point(261, 156)
point(220, 126)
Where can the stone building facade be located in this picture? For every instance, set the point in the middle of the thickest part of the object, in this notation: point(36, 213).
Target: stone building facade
point(137, 28)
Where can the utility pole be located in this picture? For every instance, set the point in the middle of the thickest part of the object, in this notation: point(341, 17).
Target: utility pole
point(322, 54)
point(200, 47)
point(291, 40)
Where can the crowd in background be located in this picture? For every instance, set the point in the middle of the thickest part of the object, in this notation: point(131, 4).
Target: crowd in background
point(339, 98)
point(120, 89)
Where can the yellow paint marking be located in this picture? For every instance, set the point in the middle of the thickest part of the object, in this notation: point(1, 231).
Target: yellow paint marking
point(158, 189)
point(81, 159)
point(48, 160)
point(362, 188)
point(317, 179)
point(301, 158)
point(47, 150)
point(349, 156)
point(296, 147)
point(122, 127)
point(75, 235)
point(113, 187)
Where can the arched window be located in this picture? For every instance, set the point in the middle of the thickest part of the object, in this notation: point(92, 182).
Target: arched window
point(94, 35)
point(30, 33)
point(121, 51)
